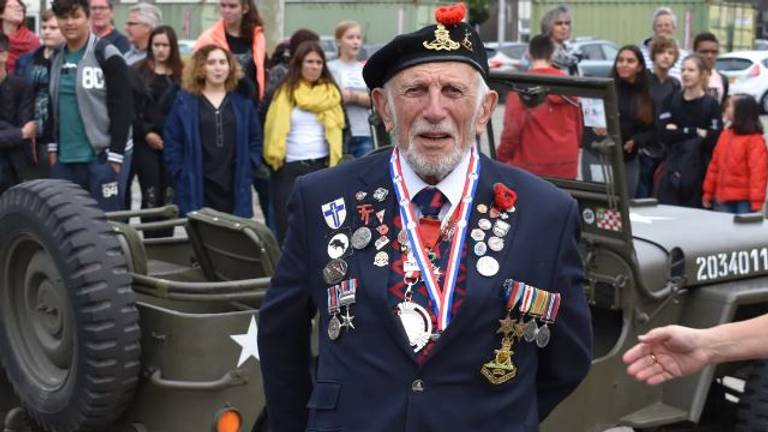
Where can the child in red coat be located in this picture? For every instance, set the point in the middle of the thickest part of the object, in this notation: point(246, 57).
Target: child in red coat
point(736, 177)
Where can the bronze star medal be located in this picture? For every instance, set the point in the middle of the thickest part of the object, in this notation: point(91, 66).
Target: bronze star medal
point(501, 369)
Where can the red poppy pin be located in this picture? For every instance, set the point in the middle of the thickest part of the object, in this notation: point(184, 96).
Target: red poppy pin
point(504, 198)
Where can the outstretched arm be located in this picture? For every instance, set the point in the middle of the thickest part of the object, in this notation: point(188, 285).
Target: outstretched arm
point(675, 351)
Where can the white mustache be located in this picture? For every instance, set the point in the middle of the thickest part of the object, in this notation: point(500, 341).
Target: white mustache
point(424, 127)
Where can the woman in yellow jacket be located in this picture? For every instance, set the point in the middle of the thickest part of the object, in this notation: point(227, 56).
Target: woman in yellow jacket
point(303, 129)
point(240, 32)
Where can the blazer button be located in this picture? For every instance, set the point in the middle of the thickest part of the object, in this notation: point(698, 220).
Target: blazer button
point(417, 386)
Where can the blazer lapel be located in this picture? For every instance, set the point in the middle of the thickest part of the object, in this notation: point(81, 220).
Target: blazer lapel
point(480, 289)
point(374, 279)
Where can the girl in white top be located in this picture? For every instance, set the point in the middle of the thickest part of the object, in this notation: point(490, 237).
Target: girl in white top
point(348, 73)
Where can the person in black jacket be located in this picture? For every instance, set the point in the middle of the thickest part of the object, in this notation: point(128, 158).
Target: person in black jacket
point(159, 75)
point(664, 52)
point(636, 112)
point(35, 68)
point(689, 124)
point(17, 123)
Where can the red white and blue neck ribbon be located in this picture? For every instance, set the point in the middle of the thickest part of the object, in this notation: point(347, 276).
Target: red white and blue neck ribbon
point(442, 297)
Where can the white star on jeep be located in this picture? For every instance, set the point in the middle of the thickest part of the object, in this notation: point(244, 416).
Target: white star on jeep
point(248, 342)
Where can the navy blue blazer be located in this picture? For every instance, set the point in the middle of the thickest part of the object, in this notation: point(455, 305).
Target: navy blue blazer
point(367, 379)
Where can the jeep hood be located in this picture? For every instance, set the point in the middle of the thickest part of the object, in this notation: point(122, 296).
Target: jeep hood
point(716, 247)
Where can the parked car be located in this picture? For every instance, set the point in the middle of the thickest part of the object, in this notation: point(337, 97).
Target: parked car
point(367, 50)
point(507, 56)
point(185, 48)
point(329, 47)
point(747, 72)
point(595, 56)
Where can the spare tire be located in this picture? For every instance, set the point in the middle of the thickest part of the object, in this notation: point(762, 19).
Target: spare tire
point(69, 332)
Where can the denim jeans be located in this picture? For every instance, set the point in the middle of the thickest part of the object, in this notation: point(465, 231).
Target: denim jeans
point(648, 167)
point(735, 207)
point(359, 146)
point(97, 177)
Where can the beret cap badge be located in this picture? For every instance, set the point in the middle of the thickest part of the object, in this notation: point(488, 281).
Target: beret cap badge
point(447, 16)
point(449, 39)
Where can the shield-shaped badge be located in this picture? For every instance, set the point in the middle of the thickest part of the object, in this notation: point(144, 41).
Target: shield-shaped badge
point(335, 213)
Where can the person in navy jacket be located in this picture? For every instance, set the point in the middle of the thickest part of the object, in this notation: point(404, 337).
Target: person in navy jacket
point(447, 286)
point(212, 137)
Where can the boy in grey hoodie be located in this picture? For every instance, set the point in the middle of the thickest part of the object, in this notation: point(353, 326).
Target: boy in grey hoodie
point(92, 107)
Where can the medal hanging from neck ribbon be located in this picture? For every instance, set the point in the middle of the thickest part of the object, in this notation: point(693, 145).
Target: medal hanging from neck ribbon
point(441, 296)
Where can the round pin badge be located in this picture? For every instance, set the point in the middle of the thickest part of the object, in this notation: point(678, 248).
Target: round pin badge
point(589, 216)
point(338, 245)
point(495, 244)
point(484, 224)
point(335, 271)
point(361, 238)
point(487, 266)
point(381, 259)
point(480, 248)
point(402, 237)
point(482, 208)
point(477, 234)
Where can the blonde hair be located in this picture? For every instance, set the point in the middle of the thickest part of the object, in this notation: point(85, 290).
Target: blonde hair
point(193, 79)
point(343, 27)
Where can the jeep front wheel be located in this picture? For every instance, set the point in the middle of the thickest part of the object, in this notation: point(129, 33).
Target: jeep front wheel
point(69, 333)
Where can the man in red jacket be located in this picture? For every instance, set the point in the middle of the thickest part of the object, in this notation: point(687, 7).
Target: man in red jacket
point(545, 139)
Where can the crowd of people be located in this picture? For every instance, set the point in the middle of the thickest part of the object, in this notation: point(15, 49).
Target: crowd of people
point(90, 104)
point(86, 103)
point(686, 140)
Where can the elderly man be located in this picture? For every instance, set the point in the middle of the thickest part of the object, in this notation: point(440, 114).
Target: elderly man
point(102, 24)
point(448, 286)
point(664, 22)
point(142, 19)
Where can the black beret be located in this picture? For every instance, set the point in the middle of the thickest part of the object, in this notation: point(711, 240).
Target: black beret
point(449, 40)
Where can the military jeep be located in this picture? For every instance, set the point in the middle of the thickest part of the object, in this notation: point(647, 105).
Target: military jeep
point(649, 265)
point(103, 330)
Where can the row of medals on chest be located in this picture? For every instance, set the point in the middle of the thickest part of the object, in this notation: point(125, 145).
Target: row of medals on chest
point(342, 293)
point(531, 303)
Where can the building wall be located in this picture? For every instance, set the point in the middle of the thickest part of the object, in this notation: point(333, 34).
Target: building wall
point(623, 21)
point(380, 21)
point(629, 21)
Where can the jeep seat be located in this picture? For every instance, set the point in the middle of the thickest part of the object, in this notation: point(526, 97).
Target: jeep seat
point(228, 247)
point(132, 246)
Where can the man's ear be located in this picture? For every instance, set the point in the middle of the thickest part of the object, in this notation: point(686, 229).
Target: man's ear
point(381, 103)
point(486, 111)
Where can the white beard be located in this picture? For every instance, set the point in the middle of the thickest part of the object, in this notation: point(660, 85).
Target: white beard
point(422, 165)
